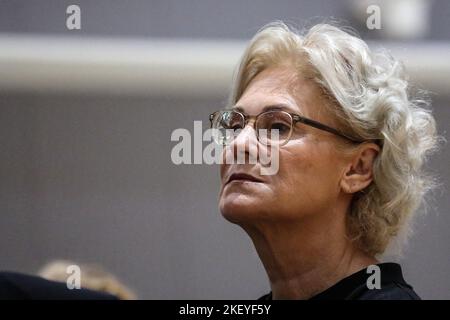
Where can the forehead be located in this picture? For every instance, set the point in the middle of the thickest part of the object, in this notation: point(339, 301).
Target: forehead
point(280, 86)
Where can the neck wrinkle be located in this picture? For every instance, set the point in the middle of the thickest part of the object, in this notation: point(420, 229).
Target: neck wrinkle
point(322, 257)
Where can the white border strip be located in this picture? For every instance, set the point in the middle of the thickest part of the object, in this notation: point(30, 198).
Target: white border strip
point(157, 66)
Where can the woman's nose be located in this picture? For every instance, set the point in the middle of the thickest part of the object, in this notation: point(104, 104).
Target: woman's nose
point(245, 145)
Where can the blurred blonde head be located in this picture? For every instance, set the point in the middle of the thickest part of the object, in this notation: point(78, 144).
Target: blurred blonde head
point(93, 277)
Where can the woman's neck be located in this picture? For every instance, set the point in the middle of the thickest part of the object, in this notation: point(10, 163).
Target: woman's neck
point(302, 260)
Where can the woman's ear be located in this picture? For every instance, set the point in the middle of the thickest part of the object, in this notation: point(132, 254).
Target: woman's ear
point(359, 172)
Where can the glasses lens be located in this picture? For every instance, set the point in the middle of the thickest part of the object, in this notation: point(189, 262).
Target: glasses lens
point(274, 127)
point(226, 125)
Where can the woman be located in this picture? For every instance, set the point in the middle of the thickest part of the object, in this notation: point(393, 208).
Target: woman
point(350, 145)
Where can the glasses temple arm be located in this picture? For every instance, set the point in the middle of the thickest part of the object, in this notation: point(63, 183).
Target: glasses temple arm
point(321, 126)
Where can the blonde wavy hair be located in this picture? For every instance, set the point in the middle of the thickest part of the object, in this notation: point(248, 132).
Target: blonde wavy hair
point(93, 277)
point(370, 100)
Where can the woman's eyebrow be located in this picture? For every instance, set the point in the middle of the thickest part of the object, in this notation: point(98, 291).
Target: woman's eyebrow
point(278, 107)
point(237, 108)
point(272, 107)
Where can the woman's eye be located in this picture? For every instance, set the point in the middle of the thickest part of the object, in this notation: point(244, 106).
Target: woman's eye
point(232, 126)
point(281, 127)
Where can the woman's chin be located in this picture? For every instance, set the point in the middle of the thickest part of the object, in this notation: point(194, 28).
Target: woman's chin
point(239, 209)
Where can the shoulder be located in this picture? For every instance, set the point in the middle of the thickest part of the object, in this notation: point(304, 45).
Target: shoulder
point(392, 291)
point(18, 286)
point(391, 284)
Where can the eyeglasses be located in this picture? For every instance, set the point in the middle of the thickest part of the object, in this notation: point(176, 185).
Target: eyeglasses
point(273, 127)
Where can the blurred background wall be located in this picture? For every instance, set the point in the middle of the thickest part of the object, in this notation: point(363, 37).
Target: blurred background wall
point(85, 123)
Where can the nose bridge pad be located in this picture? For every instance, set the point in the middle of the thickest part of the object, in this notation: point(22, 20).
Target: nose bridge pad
point(245, 145)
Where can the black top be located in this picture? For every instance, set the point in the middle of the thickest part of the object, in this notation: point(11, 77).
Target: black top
point(17, 286)
point(354, 287)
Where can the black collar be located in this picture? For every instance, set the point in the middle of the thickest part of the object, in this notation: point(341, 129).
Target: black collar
point(355, 284)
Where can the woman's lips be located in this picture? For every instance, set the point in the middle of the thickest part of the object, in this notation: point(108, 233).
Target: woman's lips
point(242, 177)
